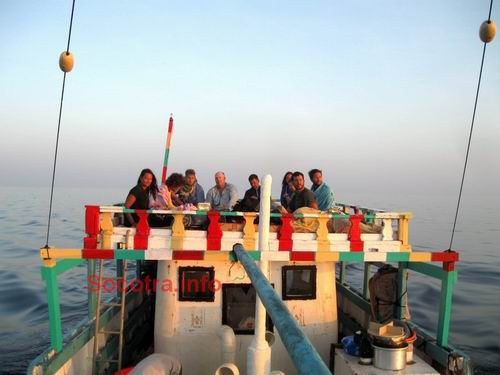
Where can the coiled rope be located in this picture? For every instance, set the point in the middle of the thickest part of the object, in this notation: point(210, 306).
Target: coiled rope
point(486, 41)
point(65, 70)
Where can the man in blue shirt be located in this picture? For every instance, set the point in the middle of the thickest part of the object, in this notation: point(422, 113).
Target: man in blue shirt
point(322, 192)
point(191, 192)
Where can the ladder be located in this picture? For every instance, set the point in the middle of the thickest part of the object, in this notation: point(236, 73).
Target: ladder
point(121, 282)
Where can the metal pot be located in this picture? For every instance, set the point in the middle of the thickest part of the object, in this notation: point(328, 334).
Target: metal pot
point(389, 358)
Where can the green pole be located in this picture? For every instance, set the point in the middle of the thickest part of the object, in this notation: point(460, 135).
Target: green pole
point(91, 295)
point(366, 279)
point(447, 284)
point(402, 290)
point(49, 274)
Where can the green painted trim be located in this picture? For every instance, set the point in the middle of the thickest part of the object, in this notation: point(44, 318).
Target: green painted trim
point(427, 269)
point(49, 274)
point(398, 256)
point(352, 256)
point(130, 254)
point(254, 254)
point(165, 158)
point(64, 265)
point(445, 303)
point(128, 211)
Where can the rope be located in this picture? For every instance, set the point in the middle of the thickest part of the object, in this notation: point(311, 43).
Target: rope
point(57, 136)
point(470, 138)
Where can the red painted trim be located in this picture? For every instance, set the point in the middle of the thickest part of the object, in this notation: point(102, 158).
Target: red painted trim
point(141, 231)
point(449, 266)
point(92, 227)
point(355, 233)
point(445, 256)
point(187, 255)
point(98, 254)
point(285, 233)
point(214, 233)
point(302, 256)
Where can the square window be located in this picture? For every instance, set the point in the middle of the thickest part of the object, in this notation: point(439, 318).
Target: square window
point(196, 284)
point(298, 282)
point(238, 308)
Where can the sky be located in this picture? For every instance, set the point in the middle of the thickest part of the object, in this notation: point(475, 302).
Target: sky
point(379, 95)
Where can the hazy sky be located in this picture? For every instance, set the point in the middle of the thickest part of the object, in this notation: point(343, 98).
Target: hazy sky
point(378, 94)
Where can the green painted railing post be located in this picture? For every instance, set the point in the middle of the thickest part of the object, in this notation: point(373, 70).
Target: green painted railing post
point(91, 295)
point(447, 284)
point(366, 279)
point(402, 290)
point(49, 274)
point(342, 272)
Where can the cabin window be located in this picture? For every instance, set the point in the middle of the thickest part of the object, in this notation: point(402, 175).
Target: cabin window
point(196, 284)
point(298, 282)
point(238, 308)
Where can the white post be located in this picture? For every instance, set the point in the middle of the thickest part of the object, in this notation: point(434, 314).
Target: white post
point(259, 352)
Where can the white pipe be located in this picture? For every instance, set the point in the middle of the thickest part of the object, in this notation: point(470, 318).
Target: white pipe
point(259, 352)
point(227, 369)
point(228, 341)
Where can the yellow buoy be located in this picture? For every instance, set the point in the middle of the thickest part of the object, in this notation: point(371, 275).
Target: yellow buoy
point(487, 31)
point(66, 61)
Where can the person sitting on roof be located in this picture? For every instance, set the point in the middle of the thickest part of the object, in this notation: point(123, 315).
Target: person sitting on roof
point(322, 192)
point(139, 196)
point(223, 196)
point(191, 192)
point(287, 189)
point(251, 200)
point(302, 197)
point(166, 199)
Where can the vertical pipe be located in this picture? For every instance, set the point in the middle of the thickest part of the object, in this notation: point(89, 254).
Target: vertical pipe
point(167, 149)
point(259, 352)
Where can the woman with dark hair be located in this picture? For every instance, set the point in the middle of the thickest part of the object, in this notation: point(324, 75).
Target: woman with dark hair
point(287, 189)
point(167, 199)
point(139, 196)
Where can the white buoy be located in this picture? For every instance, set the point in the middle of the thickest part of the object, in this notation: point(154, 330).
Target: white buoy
point(487, 31)
point(66, 61)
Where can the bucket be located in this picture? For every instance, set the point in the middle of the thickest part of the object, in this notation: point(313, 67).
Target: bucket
point(390, 358)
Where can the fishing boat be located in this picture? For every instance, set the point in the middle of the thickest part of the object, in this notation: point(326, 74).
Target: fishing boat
point(300, 279)
point(247, 292)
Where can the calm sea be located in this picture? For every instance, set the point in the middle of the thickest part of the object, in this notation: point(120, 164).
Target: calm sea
point(475, 326)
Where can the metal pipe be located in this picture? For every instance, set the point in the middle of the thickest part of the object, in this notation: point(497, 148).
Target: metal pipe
point(304, 356)
point(259, 351)
point(228, 344)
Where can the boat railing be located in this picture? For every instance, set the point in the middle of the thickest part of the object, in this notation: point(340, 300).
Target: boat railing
point(394, 226)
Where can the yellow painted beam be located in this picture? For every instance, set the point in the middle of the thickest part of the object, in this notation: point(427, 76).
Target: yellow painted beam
point(420, 257)
point(216, 256)
point(327, 256)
